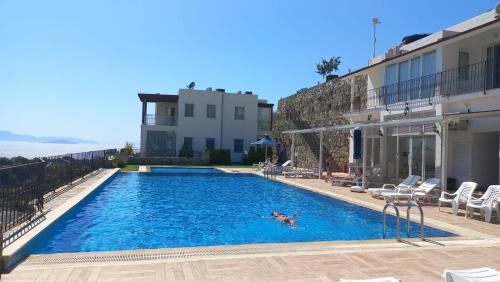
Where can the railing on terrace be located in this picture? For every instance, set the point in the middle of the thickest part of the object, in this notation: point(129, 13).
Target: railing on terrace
point(22, 187)
point(467, 79)
point(161, 120)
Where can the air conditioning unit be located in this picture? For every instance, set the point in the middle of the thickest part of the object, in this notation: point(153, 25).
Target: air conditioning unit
point(209, 88)
point(221, 90)
point(249, 92)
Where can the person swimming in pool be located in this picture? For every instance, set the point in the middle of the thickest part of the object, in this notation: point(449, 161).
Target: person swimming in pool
point(283, 218)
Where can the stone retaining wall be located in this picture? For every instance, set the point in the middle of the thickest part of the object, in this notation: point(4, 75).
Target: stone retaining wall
point(321, 105)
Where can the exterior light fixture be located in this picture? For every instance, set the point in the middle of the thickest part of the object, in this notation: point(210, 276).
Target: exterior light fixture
point(435, 129)
point(380, 132)
point(369, 117)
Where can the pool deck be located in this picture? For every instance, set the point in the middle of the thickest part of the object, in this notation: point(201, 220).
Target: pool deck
point(477, 246)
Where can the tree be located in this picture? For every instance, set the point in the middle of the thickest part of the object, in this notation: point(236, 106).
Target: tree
point(326, 67)
point(128, 150)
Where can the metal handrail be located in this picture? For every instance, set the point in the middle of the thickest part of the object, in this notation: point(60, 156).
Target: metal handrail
point(398, 230)
point(408, 221)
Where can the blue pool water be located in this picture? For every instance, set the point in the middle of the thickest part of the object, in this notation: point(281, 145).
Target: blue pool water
point(179, 207)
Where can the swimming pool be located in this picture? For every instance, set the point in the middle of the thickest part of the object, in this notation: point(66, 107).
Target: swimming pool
point(185, 207)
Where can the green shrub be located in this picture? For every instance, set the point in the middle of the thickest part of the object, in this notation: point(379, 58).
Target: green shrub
point(186, 152)
point(257, 154)
point(120, 160)
point(220, 157)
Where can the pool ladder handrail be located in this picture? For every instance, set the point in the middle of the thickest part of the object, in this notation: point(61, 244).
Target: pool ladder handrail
point(398, 231)
point(408, 221)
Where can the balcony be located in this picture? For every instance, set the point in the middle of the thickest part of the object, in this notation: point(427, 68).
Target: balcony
point(160, 120)
point(472, 78)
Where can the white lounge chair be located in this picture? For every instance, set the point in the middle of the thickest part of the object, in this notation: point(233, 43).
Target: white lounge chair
point(383, 279)
point(258, 166)
point(277, 169)
point(408, 193)
point(486, 204)
point(370, 175)
point(427, 190)
point(407, 183)
point(461, 196)
point(483, 274)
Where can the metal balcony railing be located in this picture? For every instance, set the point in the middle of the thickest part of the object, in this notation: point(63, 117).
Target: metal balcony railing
point(161, 120)
point(472, 78)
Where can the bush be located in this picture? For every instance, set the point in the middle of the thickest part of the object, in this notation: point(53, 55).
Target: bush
point(220, 157)
point(186, 152)
point(120, 160)
point(257, 154)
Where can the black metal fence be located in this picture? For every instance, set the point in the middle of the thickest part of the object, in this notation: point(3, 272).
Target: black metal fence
point(22, 187)
point(466, 79)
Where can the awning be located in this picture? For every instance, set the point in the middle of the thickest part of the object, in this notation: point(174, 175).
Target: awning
point(399, 122)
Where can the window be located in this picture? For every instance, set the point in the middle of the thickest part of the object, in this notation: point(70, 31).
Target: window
point(188, 142)
point(404, 71)
point(210, 143)
point(463, 65)
point(264, 119)
point(238, 146)
point(189, 110)
point(210, 111)
point(239, 113)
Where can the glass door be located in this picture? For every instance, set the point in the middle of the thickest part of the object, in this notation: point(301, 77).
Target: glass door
point(493, 67)
point(404, 156)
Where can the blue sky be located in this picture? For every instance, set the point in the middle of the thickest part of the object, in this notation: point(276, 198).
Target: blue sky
point(74, 68)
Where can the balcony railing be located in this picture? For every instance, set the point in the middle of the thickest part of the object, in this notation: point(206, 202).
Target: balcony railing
point(467, 79)
point(161, 120)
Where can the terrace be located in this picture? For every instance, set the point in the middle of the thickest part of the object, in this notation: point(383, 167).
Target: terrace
point(413, 260)
point(430, 89)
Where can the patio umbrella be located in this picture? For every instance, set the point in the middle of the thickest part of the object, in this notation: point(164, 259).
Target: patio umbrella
point(266, 140)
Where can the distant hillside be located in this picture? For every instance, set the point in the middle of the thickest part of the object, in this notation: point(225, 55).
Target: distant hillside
point(9, 136)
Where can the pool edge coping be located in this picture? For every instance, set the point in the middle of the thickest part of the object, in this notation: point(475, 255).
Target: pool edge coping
point(11, 254)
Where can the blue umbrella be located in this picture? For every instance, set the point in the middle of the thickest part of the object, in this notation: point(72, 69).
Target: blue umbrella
point(266, 140)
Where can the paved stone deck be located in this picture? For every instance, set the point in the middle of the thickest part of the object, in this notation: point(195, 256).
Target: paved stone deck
point(478, 246)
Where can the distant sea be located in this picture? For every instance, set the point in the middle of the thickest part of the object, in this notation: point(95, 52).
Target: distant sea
point(31, 149)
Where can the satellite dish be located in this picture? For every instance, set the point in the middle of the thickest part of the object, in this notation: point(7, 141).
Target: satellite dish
point(191, 85)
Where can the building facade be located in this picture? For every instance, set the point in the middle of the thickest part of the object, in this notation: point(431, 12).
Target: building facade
point(201, 120)
point(431, 107)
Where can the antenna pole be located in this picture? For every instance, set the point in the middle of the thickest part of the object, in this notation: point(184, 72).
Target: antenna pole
point(374, 38)
point(375, 21)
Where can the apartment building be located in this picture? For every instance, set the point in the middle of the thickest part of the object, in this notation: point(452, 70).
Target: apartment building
point(432, 106)
point(201, 120)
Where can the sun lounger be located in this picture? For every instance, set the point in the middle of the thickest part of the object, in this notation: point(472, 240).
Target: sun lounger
point(409, 193)
point(427, 190)
point(483, 274)
point(383, 279)
point(461, 196)
point(407, 183)
point(487, 204)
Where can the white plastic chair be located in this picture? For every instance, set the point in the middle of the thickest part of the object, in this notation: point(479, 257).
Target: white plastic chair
point(461, 196)
point(483, 274)
point(486, 204)
point(407, 183)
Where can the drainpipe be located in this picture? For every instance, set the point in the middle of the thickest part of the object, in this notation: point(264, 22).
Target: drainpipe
point(444, 156)
point(320, 154)
point(365, 142)
point(221, 119)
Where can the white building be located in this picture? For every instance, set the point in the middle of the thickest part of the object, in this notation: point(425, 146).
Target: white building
point(432, 106)
point(202, 119)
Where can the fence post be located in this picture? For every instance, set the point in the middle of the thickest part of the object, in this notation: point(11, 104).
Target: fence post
point(70, 169)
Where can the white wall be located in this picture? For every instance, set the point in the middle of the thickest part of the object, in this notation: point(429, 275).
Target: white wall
point(199, 127)
point(239, 129)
